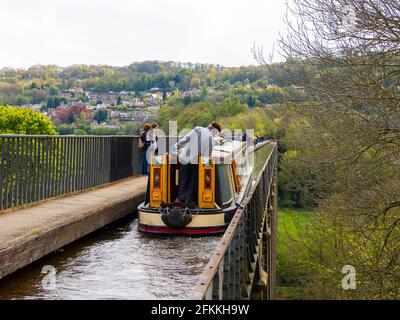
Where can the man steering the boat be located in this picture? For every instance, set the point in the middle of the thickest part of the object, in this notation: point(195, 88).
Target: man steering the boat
point(198, 142)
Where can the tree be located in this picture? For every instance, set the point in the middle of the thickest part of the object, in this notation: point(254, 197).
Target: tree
point(251, 101)
point(198, 114)
point(187, 100)
point(65, 129)
point(53, 91)
point(14, 120)
point(349, 139)
point(229, 107)
point(256, 119)
point(100, 116)
point(53, 103)
point(132, 128)
point(80, 132)
point(72, 113)
point(71, 118)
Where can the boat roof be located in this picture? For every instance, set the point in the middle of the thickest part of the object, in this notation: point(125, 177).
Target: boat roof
point(227, 148)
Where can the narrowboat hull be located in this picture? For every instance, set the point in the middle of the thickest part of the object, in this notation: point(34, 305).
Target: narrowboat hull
point(221, 186)
point(204, 222)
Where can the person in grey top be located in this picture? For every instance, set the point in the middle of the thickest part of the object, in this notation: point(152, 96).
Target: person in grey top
point(198, 142)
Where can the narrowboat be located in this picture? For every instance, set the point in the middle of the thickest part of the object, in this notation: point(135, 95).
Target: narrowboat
point(223, 182)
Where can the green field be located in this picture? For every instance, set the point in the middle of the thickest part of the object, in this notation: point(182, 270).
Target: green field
point(292, 265)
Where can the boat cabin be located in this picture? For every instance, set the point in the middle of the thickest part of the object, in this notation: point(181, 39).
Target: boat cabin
point(223, 180)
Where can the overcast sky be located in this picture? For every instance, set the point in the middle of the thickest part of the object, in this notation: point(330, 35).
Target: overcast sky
point(118, 32)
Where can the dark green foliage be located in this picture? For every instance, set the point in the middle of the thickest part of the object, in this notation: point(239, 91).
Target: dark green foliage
point(24, 121)
point(101, 116)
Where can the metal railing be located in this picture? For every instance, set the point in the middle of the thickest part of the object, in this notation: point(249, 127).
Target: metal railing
point(243, 264)
point(34, 168)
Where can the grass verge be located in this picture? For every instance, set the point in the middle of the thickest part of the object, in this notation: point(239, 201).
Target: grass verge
point(292, 262)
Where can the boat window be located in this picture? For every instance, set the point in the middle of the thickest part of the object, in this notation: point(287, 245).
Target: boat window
point(224, 185)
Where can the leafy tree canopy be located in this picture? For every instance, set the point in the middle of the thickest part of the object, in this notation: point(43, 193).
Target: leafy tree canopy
point(24, 121)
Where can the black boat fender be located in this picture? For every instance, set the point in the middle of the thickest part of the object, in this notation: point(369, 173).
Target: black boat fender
point(176, 217)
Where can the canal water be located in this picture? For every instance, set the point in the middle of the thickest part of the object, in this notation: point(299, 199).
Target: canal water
point(118, 262)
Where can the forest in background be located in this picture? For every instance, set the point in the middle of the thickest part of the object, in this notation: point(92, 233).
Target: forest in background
point(198, 93)
point(255, 85)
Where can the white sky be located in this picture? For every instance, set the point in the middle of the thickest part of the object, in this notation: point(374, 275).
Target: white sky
point(118, 32)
